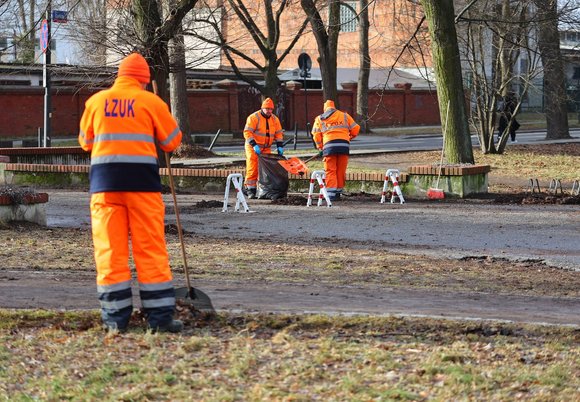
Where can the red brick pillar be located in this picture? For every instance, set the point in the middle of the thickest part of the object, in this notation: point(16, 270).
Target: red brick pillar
point(293, 89)
point(350, 86)
point(407, 99)
point(232, 107)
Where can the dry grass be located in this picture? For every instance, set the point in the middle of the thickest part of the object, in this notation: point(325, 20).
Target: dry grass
point(56, 356)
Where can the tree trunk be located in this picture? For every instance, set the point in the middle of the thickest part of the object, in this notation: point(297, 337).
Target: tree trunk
point(271, 81)
point(554, 77)
point(178, 84)
point(362, 94)
point(440, 15)
point(327, 43)
point(147, 20)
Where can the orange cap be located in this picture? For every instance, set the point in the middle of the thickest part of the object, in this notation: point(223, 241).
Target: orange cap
point(135, 66)
point(329, 105)
point(268, 104)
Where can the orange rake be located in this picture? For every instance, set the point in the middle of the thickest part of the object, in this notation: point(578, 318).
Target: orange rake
point(295, 165)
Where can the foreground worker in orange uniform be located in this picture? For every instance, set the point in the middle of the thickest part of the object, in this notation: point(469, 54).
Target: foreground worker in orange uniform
point(262, 129)
point(332, 132)
point(120, 126)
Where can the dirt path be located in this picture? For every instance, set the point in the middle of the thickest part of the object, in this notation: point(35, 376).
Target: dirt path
point(41, 289)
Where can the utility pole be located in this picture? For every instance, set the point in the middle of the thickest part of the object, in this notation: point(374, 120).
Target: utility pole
point(46, 79)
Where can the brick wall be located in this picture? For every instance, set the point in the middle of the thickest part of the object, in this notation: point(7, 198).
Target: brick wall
point(225, 108)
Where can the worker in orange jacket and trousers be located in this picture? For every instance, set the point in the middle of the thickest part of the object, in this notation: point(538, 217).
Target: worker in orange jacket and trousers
point(332, 132)
point(120, 126)
point(262, 129)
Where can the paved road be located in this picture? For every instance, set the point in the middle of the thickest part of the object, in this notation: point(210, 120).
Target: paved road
point(548, 233)
point(365, 144)
point(407, 142)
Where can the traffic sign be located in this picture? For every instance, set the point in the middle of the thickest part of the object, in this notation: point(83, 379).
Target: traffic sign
point(43, 35)
point(59, 16)
point(304, 62)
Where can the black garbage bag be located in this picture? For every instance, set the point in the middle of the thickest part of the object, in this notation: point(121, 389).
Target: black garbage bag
point(272, 177)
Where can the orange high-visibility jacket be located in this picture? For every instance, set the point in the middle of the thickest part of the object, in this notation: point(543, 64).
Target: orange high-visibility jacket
point(262, 131)
point(333, 130)
point(120, 127)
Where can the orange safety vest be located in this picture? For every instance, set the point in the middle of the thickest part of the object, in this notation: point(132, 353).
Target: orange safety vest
point(333, 130)
point(262, 131)
point(120, 126)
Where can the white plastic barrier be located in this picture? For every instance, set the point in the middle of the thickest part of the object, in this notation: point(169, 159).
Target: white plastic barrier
point(237, 179)
point(320, 177)
point(576, 187)
point(393, 176)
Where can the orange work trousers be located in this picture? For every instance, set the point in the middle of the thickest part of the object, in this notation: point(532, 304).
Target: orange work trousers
point(115, 216)
point(335, 168)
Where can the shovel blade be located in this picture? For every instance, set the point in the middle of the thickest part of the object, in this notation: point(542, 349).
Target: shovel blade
point(196, 298)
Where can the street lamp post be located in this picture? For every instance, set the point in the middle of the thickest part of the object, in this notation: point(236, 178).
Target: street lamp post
point(46, 79)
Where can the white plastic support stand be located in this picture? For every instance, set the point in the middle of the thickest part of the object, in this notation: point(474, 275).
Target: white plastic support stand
point(576, 187)
point(320, 177)
point(393, 176)
point(237, 179)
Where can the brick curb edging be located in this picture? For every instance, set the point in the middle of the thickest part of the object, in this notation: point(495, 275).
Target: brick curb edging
point(449, 170)
point(457, 180)
point(182, 172)
point(27, 199)
point(44, 151)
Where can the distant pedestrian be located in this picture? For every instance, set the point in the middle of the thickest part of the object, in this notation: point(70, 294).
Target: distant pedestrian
point(332, 131)
point(120, 126)
point(262, 130)
point(507, 109)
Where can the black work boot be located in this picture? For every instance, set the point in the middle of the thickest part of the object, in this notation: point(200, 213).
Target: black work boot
point(174, 326)
point(250, 193)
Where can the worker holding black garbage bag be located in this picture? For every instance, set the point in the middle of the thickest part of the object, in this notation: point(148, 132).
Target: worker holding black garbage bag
point(332, 132)
point(263, 129)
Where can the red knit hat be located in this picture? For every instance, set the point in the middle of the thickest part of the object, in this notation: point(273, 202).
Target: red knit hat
point(329, 105)
point(268, 104)
point(135, 66)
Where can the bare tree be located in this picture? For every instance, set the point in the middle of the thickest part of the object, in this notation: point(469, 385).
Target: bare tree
point(261, 25)
point(89, 22)
point(554, 77)
point(495, 37)
point(19, 22)
point(362, 95)
point(178, 78)
point(451, 97)
point(327, 41)
point(155, 34)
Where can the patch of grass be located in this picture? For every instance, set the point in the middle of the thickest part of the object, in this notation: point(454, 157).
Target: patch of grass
point(283, 357)
point(526, 161)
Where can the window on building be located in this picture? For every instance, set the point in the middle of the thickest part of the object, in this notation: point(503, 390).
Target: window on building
point(576, 75)
point(524, 66)
point(348, 17)
point(3, 42)
point(572, 36)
